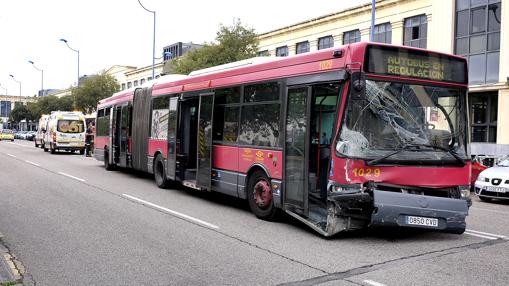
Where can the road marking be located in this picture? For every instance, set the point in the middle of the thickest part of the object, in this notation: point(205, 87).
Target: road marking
point(71, 176)
point(175, 213)
point(479, 235)
point(486, 233)
point(10, 155)
point(30, 162)
point(373, 283)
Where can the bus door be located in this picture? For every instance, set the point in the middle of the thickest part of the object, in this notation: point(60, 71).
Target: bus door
point(204, 144)
point(117, 116)
point(172, 138)
point(297, 121)
point(123, 134)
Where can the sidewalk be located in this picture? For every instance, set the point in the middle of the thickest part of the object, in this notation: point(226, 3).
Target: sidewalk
point(9, 274)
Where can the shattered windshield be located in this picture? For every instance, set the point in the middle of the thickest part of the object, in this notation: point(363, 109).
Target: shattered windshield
point(390, 116)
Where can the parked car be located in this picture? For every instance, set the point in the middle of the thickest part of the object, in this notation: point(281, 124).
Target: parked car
point(6, 134)
point(493, 183)
point(30, 135)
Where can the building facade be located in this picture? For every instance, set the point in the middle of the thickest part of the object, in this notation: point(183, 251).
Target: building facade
point(475, 29)
point(7, 104)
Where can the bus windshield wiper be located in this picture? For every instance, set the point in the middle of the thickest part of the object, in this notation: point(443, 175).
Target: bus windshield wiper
point(403, 148)
point(415, 145)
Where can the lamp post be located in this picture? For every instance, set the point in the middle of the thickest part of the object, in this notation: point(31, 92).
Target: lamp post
point(4, 89)
point(42, 76)
point(19, 82)
point(373, 11)
point(153, 39)
point(77, 51)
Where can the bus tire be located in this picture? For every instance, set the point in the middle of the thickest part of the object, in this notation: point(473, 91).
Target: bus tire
point(259, 196)
point(160, 173)
point(107, 165)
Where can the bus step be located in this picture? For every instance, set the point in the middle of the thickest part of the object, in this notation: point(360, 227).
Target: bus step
point(191, 184)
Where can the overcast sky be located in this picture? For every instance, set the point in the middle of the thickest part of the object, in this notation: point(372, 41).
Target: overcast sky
point(110, 32)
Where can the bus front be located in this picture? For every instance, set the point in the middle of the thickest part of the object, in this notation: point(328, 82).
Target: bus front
point(401, 156)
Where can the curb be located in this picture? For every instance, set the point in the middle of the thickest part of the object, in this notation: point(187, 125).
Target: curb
point(8, 270)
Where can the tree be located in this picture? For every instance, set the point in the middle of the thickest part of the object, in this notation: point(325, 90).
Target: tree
point(233, 43)
point(20, 112)
point(91, 90)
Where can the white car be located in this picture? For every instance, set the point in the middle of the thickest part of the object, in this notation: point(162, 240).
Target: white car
point(493, 183)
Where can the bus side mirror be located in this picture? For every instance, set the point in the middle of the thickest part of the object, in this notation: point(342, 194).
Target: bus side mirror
point(357, 85)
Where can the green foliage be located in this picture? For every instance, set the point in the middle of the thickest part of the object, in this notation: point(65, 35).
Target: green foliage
point(234, 43)
point(46, 104)
point(93, 89)
point(19, 113)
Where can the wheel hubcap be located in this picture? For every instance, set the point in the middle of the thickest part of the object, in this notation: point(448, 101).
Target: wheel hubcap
point(262, 194)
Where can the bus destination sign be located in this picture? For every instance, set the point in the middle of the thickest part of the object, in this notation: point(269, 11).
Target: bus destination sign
point(415, 64)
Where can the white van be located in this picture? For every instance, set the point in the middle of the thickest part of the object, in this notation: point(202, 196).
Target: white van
point(43, 121)
point(65, 130)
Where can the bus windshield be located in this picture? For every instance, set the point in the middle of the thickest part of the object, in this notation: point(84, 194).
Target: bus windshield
point(394, 116)
point(71, 126)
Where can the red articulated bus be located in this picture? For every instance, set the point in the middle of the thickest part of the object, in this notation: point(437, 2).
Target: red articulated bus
point(360, 135)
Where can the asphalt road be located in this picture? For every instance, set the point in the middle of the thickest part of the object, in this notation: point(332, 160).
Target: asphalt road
point(70, 222)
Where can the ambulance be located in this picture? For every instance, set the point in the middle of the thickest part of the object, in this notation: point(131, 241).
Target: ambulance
point(38, 139)
point(65, 130)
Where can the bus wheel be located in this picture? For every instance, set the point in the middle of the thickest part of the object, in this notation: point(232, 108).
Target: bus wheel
point(107, 164)
point(159, 173)
point(259, 196)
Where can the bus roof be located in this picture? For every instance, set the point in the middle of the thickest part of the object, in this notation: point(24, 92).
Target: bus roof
point(259, 69)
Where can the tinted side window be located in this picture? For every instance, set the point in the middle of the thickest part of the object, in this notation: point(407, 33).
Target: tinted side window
point(227, 95)
point(260, 125)
point(160, 109)
point(261, 92)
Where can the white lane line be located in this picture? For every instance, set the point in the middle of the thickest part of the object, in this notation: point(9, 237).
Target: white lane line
point(373, 283)
point(175, 213)
point(10, 155)
point(71, 176)
point(30, 162)
point(486, 233)
point(479, 235)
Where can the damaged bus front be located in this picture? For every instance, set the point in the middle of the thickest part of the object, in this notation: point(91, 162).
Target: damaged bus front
point(401, 156)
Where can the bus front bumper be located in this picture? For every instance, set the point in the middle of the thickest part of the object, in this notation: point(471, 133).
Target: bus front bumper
point(417, 211)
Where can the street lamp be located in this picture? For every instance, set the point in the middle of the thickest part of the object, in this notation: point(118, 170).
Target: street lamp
point(42, 76)
point(19, 82)
point(4, 89)
point(153, 39)
point(77, 51)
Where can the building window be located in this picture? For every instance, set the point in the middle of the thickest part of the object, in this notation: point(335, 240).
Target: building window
point(282, 51)
point(350, 37)
point(416, 31)
point(157, 76)
point(264, 53)
point(5, 108)
point(483, 115)
point(325, 42)
point(142, 81)
point(149, 78)
point(383, 33)
point(478, 38)
point(135, 83)
point(123, 86)
point(302, 47)
point(129, 84)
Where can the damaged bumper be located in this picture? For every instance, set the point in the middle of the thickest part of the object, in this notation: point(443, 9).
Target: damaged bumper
point(408, 210)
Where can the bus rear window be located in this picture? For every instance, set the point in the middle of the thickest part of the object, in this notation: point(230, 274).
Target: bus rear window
point(70, 126)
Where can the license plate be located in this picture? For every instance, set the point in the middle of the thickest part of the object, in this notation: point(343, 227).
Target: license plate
point(424, 221)
point(496, 189)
